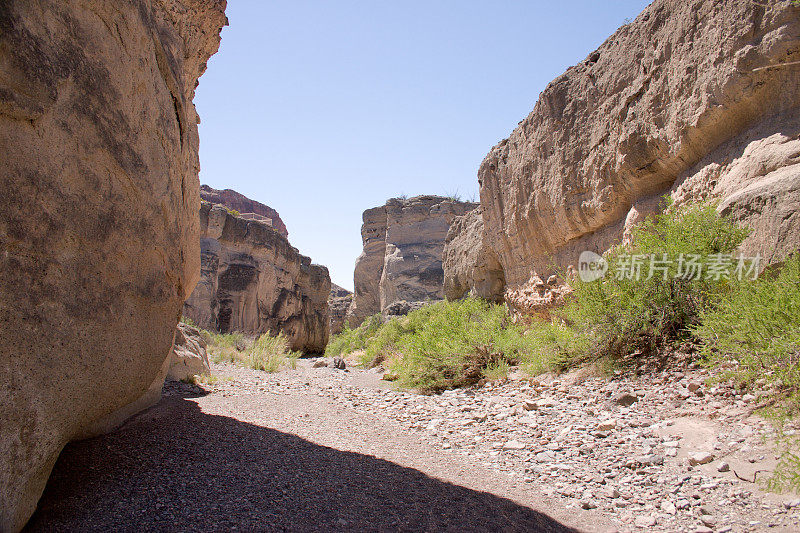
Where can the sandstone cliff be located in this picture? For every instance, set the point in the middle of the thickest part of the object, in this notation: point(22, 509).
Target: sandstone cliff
point(692, 98)
point(98, 217)
point(402, 257)
point(241, 203)
point(339, 303)
point(253, 281)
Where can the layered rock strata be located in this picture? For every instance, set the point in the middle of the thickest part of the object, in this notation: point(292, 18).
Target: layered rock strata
point(402, 257)
point(253, 281)
point(98, 217)
point(694, 99)
point(244, 205)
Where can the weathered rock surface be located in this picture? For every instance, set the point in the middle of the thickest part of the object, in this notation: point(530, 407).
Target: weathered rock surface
point(339, 302)
point(244, 205)
point(692, 98)
point(402, 257)
point(470, 269)
point(98, 217)
point(189, 357)
point(253, 281)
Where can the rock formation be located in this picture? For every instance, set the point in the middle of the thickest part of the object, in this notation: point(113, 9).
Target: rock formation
point(696, 99)
point(98, 217)
point(402, 257)
point(189, 357)
point(244, 205)
point(253, 281)
point(339, 302)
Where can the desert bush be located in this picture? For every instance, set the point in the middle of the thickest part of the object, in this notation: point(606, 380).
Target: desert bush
point(627, 314)
point(443, 345)
point(269, 353)
point(225, 347)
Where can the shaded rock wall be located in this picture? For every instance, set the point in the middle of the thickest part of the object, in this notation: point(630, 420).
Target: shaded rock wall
point(402, 257)
point(241, 203)
point(679, 102)
point(339, 303)
point(253, 281)
point(98, 217)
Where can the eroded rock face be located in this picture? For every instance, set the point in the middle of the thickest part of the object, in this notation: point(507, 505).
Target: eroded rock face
point(339, 302)
point(253, 281)
point(402, 257)
point(189, 356)
point(679, 102)
point(98, 222)
point(244, 205)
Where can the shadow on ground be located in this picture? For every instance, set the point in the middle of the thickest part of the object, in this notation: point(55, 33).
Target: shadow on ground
point(175, 468)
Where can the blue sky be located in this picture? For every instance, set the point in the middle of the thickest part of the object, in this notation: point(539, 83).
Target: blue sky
point(322, 109)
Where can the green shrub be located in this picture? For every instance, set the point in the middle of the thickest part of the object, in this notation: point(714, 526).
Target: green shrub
point(625, 316)
point(225, 347)
point(188, 321)
point(270, 353)
point(443, 345)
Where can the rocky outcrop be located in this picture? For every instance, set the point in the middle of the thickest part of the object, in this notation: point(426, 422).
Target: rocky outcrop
point(339, 302)
point(244, 205)
point(98, 217)
point(470, 269)
point(402, 257)
point(189, 357)
point(695, 99)
point(253, 281)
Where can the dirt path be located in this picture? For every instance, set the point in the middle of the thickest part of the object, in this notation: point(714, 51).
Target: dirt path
point(319, 449)
point(273, 453)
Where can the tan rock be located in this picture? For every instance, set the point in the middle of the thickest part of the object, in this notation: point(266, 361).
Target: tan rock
point(469, 267)
point(679, 102)
point(254, 281)
point(189, 357)
point(98, 217)
point(402, 258)
point(245, 206)
point(339, 303)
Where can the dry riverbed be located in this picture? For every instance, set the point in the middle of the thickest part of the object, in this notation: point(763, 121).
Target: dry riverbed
point(327, 449)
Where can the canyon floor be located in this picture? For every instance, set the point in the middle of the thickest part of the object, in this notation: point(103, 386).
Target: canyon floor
point(321, 449)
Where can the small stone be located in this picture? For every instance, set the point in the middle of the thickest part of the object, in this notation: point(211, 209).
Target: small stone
point(530, 405)
point(668, 507)
point(723, 467)
point(626, 399)
point(606, 425)
point(708, 520)
point(339, 363)
point(319, 363)
point(513, 445)
point(645, 521)
point(694, 386)
point(588, 504)
point(700, 458)
point(703, 529)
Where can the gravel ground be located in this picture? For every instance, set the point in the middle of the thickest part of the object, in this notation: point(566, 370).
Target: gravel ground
point(319, 449)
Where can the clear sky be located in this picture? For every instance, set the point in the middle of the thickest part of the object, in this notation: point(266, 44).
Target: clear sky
point(322, 109)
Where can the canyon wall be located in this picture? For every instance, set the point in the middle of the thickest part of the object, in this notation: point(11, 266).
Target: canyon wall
point(253, 281)
point(402, 257)
point(339, 303)
point(241, 203)
point(98, 217)
point(694, 99)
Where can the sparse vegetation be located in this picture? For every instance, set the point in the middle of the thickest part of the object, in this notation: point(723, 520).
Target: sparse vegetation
point(266, 353)
point(441, 346)
point(630, 315)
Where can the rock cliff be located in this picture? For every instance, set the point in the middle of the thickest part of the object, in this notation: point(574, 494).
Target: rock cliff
point(241, 203)
point(402, 257)
point(339, 302)
point(695, 99)
point(253, 281)
point(98, 217)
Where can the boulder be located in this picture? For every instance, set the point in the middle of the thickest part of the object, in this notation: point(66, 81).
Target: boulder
point(253, 281)
point(402, 257)
point(696, 100)
point(98, 217)
point(189, 357)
